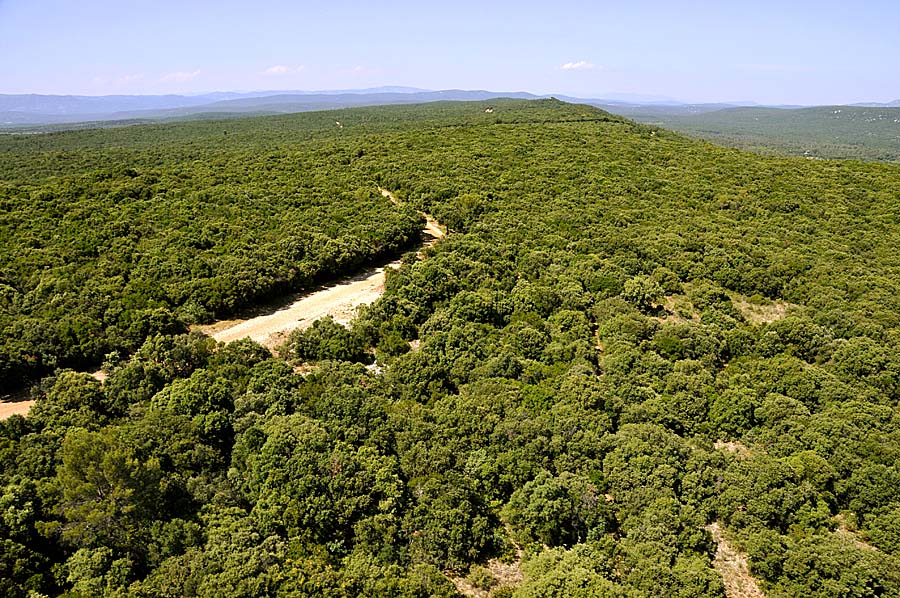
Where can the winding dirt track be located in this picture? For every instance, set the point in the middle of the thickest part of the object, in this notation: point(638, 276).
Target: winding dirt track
point(732, 566)
point(433, 228)
point(338, 301)
point(272, 325)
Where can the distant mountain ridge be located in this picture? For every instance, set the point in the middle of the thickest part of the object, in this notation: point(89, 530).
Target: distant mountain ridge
point(894, 104)
point(79, 104)
point(838, 132)
point(35, 110)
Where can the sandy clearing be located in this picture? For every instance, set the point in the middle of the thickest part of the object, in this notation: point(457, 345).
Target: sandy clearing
point(677, 309)
point(505, 575)
point(300, 310)
point(763, 314)
point(389, 195)
point(16, 403)
point(732, 566)
point(338, 301)
point(742, 451)
point(852, 536)
point(433, 228)
point(15, 408)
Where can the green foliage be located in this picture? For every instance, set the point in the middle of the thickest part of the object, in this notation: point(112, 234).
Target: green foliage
point(326, 339)
point(558, 511)
point(85, 271)
point(582, 572)
point(448, 524)
point(600, 569)
point(642, 291)
point(107, 491)
point(883, 528)
point(583, 340)
point(857, 132)
point(819, 565)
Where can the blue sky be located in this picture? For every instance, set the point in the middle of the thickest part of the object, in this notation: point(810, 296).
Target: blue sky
point(766, 51)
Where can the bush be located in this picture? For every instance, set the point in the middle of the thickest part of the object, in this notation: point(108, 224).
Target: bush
point(326, 339)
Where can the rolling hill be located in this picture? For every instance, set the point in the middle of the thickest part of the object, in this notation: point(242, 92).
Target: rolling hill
point(35, 111)
point(631, 350)
point(855, 132)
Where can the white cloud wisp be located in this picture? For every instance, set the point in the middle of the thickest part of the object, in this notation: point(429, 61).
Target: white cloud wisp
point(581, 65)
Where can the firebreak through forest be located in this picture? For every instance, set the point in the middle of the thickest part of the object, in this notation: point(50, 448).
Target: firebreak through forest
point(626, 337)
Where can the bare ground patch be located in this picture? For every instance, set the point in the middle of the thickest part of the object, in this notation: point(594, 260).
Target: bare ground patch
point(732, 566)
point(505, 575)
point(432, 228)
point(677, 309)
point(742, 451)
point(10, 408)
point(15, 403)
point(338, 301)
point(271, 325)
point(848, 534)
point(762, 313)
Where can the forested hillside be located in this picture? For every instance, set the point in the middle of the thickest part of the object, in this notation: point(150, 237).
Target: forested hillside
point(626, 338)
point(41, 113)
point(854, 132)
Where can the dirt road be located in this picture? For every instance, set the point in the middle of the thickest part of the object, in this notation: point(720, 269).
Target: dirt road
point(339, 301)
point(732, 566)
point(15, 408)
point(272, 324)
point(432, 228)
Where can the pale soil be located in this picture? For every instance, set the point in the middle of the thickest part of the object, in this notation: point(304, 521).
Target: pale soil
point(13, 405)
point(338, 301)
point(850, 535)
point(762, 314)
point(16, 403)
point(14, 408)
point(728, 561)
point(272, 327)
point(504, 574)
point(274, 322)
point(737, 448)
point(508, 574)
point(732, 566)
point(432, 228)
point(390, 196)
point(676, 307)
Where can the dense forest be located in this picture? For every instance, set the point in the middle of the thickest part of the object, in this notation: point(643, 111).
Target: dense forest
point(855, 132)
point(629, 342)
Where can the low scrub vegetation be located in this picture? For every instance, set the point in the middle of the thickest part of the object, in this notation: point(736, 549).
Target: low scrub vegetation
point(553, 409)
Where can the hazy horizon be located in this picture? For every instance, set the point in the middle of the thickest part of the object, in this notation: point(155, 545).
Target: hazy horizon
point(807, 53)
